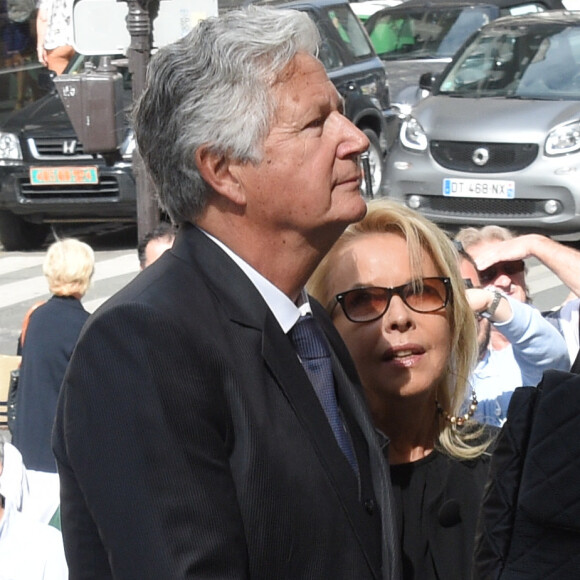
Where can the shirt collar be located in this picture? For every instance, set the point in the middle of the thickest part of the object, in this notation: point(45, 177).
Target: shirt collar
point(284, 310)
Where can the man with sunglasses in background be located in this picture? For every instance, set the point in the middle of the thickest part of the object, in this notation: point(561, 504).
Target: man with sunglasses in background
point(516, 344)
point(508, 253)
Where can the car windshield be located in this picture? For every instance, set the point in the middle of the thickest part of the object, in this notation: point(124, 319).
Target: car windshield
point(536, 62)
point(426, 33)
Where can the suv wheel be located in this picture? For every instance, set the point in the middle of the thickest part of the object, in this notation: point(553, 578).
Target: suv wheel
point(18, 234)
point(375, 161)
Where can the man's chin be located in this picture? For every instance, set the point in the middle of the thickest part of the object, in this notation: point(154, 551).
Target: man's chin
point(359, 207)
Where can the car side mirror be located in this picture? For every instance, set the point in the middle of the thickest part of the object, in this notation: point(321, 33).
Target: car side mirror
point(46, 80)
point(426, 81)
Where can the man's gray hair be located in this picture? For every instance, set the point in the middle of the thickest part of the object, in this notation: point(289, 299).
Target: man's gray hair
point(213, 87)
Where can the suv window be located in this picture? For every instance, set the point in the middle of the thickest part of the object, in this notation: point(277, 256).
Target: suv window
point(348, 27)
point(353, 39)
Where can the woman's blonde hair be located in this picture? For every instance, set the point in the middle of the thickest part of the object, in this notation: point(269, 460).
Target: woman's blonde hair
point(68, 267)
point(423, 236)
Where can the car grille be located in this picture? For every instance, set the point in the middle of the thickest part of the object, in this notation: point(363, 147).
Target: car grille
point(57, 148)
point(107, 188)
point(503, 157)
point(487, 208)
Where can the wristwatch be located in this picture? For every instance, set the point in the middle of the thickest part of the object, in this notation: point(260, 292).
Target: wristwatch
point(490, 310)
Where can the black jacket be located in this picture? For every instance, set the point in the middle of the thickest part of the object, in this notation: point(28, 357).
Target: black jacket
point(190, 443)
point(53, 330)
point(529, 526)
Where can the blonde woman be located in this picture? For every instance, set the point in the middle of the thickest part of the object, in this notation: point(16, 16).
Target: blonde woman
point(393, 288)
point(52, 332)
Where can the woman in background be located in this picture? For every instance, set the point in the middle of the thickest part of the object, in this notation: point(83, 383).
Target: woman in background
point(393, 288)
point(52, 333)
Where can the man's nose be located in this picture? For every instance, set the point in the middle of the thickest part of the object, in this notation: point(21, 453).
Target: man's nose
point(354, 141)
point(502, 281)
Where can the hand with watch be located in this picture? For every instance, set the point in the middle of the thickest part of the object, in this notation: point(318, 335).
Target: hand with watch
point(491, 309)
point(489, 303)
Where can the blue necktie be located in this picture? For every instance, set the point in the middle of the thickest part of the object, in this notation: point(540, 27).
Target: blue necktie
point(314, 353)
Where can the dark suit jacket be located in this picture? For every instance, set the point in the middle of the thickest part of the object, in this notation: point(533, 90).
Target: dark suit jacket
point(52, 333)
point(190, 443)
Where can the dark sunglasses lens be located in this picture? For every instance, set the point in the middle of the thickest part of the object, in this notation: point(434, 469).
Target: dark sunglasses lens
point(428, 298)
point(514, 267)
point(487, 275)
point(365, 304)
point(510, 268)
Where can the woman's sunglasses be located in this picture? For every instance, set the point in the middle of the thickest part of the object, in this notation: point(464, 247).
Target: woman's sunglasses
point(370, 303)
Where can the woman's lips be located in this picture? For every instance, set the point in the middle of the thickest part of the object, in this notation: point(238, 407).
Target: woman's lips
point(404, 356)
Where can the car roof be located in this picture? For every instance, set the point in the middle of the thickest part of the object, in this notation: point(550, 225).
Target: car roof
point(549, 4)
point(291, 3)
point(563, 17)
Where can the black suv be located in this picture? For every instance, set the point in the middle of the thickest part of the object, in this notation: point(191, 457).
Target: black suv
point(45, 176)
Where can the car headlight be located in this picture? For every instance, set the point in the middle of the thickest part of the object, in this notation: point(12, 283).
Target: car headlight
point(412, 135)
point(563, 139)
point(369, 89)
point(403, 109)
point(10, 147)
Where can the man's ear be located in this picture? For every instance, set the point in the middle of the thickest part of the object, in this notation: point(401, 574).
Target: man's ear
point(216, 171)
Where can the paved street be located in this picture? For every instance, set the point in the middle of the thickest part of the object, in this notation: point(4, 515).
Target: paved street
point(22, 282)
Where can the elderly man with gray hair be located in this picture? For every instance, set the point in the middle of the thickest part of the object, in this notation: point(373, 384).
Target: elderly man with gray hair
point(211, 423)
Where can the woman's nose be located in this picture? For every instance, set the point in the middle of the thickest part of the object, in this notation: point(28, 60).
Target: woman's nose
point(398, 315)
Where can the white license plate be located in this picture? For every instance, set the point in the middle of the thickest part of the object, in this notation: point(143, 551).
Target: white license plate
point(493, 188)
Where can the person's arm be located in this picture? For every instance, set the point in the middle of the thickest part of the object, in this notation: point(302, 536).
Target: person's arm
point(537, 345)
point(41, 28)
point(560, 259)
point(482, 300)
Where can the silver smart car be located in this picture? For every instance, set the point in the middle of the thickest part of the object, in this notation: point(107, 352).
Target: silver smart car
point(498, 140)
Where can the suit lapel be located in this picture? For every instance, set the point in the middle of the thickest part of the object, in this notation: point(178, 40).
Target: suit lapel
point(349, 390)
point(292, 379)
point(245, 306)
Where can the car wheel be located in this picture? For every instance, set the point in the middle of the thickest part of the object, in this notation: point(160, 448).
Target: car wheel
point(18, 234)
point(375, 162)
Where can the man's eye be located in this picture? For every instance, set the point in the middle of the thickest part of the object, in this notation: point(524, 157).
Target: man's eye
point(315, 123)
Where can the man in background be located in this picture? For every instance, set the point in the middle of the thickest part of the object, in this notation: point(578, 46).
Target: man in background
point(155, 243)
point(531, 345)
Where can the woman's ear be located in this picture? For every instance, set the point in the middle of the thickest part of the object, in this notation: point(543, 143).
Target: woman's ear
point(215, 168)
